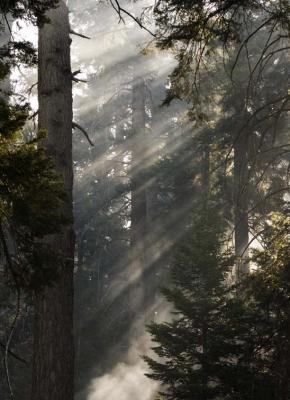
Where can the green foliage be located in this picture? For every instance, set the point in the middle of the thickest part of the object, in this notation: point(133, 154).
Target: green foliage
point(220, 345)
point(15, 52)
point(192, 348)
point(203, 35)
point(12, 120)
point(31, 192)
point(31, 197)
point(266, 294)
point(30, 10)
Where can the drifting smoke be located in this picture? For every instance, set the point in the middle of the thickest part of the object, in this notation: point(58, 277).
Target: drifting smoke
point(115, 297)
point(127, 380)
point(123, 383)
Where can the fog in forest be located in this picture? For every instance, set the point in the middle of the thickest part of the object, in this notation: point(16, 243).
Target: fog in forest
point(115, 297)
point(180, 197)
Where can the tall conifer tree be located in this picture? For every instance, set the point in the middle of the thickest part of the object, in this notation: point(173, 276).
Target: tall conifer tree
point(53, 328)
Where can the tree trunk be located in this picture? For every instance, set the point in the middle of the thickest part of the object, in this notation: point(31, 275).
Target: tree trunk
point(241, 203)
point(139, 160)
point(5, 37)
point(205, 170)
point(53, 371)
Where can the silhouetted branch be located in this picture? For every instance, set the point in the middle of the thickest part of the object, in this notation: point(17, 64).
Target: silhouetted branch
point(244, 43)
point(75, 125)
point(120, 10)
point(7, 22)
point(11, 333)
point(11, 353)
point(78, 34)
point(31, 87)
point(75, 79)
point(33, 115)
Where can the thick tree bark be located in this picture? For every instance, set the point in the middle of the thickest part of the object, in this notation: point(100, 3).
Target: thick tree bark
point(53, 329)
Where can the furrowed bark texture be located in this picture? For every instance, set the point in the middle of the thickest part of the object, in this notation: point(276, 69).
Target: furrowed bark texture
point(53, 330)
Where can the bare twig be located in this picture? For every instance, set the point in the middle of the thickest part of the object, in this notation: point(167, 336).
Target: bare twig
point(75, 125)
point(244, 43)
point(9, 342)
point(120, 10)
point(12, 354)
point(33, 115)
point(8, 25)
point(78, 34)
point(75, 79)
point(29, 91)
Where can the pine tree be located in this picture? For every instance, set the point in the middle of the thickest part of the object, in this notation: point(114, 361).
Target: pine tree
point(195, 30)
point(266, 294)
point(31, 201)
point(31, 193)
point(192, 349)
point(220, 345)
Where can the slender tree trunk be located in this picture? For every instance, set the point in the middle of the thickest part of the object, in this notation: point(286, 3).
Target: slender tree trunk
point(205, 171)
point(154, 270)
point(139, 162)
point(241, 203)
point(53, 371)
point(5, 37)
point(78, 305)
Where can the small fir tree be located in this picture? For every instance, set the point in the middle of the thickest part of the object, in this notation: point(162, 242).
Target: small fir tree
point(196, 349)
point(226, 342)
point(266, 295)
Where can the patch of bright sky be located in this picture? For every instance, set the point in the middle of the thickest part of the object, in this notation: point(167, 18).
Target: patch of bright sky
point(22, 78)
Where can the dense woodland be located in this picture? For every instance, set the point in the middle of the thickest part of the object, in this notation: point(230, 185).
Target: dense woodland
point(144, 200)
